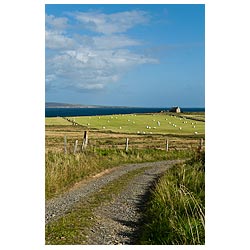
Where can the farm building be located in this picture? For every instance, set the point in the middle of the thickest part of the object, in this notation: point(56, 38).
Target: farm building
point(175, 110)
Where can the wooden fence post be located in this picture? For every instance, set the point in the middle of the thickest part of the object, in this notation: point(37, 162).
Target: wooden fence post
point(76, 143)
point(201, 144)
point(167, 145)
point(65, 144)
point(126, 148)
point(85, 140)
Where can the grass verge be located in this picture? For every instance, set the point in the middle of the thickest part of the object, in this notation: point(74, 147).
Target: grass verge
point(175, 214)
point(73, 227)
point(62, 171)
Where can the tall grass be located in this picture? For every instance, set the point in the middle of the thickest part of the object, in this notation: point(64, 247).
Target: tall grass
point(175, 214)
point(62, 171)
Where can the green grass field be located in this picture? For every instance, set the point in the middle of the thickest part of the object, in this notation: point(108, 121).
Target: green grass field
point(149, 124)
point(143, 124)
point(56, 121)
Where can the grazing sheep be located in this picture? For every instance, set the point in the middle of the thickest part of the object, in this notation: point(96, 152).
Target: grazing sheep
point(159, 124)
point(103, 127)
point(180, 128)
point(138, 132)
point(144, 132)
point(193, 126)
point(120, 127)
point(195, 133)
point(154, 127)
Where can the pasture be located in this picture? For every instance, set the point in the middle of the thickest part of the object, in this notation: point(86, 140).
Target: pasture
point(111, 131)
point(136, 124)
point(143, 124)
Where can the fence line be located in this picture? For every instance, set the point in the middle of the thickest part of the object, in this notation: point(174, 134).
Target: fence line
point(170, 144)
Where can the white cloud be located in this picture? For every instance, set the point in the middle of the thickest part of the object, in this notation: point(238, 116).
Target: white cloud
point(111, 23)
point(114, 41)
point(56, 40)
point(59, 23)
point(87, 62)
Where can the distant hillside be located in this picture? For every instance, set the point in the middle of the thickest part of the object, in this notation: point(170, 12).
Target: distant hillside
point(67, 105)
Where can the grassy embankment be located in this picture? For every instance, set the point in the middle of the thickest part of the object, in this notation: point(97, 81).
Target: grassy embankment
point(175, 215)
point(106, 145)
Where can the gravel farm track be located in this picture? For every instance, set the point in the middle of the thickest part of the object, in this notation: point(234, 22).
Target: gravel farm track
point(117, 221)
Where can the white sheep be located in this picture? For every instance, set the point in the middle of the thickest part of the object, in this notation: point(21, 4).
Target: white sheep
point(180, 128)
point(195, 133)
point(159, 124)
point(103, 127)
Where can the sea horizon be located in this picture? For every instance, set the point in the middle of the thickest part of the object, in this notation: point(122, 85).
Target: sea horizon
point(91, 110)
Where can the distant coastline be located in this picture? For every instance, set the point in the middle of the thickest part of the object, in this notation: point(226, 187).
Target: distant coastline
point(68, 105)
point(67, 110)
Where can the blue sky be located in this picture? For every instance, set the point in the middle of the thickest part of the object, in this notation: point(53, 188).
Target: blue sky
point(126, 55)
